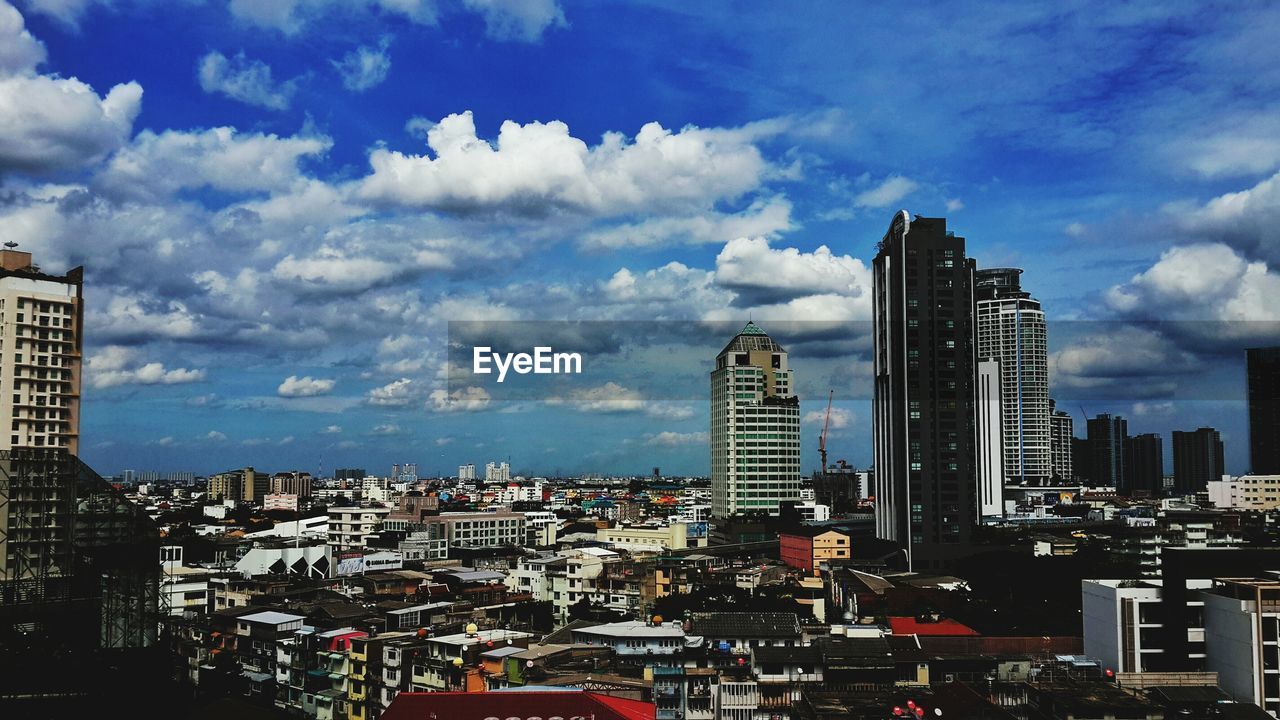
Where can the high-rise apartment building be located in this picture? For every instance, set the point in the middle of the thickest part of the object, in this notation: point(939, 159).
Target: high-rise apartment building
point(245, 485)
point(755, 427)
point(497, 472)
point(1061, 433)
point(467, 473)
point(295, 482)
point(1106, 450)
point(1264, 410)
point(1197, 460)
point(1011, 329)
point(1144, 464)
point(41, 319)
point(923, 410)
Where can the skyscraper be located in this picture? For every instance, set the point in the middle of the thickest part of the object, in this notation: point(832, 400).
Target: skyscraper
point(755, 427)
point(990, 425)
point(1197, 459)
point(41, 317)
point(1264, 410)
point(1106, 452)
point(1011, 329)
point(1144, 464)
point(923, 426)
point(1061, 433)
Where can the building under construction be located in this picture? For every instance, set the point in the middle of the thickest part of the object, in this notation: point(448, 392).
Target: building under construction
point(79, 581)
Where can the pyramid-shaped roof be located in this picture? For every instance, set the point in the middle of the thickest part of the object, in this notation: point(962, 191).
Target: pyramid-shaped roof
point(751, 338)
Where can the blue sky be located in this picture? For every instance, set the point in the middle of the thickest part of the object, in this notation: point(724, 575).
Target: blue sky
point(282, 204)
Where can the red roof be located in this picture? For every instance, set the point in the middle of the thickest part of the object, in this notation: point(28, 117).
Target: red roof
point(911, 626)
point(519, 703)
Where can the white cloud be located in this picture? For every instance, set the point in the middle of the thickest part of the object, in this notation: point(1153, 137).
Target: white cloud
point(539, 167)
point(1245, 219)
point(387, 429)
point(517, 19)
point(244, 80)
point(306, 386)
point(50, 123)
point(888, 192)
point(955, 205)
point(761, 218)
point(215, 436)
point(749, 266)
point(468, 399)
point(20, 51)
point(841, 418)
point(608, 398)
point(134, 317)
point(289, 16)
point(441, 442)
point(116, 365)
point(667, 438)
point(332, 430)
point(398, 393)
point(154, 165)
point(1075, 229)
point(1201, 282)
point(365, 67)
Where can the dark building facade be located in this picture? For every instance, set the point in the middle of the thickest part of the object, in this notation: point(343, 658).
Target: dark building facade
point(1144, 464)
point(1264, 410)
point(1107, 435)
point(923, 411)
point(1197, 459)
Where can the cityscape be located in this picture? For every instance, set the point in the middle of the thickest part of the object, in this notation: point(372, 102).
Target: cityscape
point(944, 385)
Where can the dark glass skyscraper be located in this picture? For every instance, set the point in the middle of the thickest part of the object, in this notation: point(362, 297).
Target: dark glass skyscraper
point(1264, 411)
point(923, 412)
point(1107, 435)
point(1144, 464)
point(1197, 459)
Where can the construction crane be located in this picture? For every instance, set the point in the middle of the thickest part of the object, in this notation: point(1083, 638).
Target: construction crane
point(822, 439)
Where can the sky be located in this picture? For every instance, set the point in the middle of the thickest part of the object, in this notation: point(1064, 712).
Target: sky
point(297, 217)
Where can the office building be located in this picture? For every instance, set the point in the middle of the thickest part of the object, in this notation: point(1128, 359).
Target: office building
point(1011, 329)
point(1197, 460)
point(923, 416)
point(755, 427)
point(41, 316)
point(1144, 464)
point(1061, 435)
point(990, 424)
point(1106, 451)
point(1264, 410)
point(1260, 493)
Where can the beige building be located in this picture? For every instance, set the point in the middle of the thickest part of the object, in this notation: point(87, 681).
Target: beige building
point(41, 317)
point(650, 537)
point(246, 485)
point(1247, 492)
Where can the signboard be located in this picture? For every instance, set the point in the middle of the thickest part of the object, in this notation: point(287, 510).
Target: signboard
point(697, 530)
point(349, 564)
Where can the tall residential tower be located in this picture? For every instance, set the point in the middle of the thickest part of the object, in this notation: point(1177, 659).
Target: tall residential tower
point(923, 424)
point(1011, 330)
point(755, 427)
point(1264, 410)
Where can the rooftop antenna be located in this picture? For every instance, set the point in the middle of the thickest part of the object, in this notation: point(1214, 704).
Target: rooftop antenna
point(11, 244)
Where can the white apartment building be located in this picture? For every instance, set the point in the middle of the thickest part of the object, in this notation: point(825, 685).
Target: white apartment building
point(497, 472)
point(1011, 329)
point(1123, 622)
point(350, 527)
point(41, 316)
point(467, 473)
point(495, 528)
point(1242, 638)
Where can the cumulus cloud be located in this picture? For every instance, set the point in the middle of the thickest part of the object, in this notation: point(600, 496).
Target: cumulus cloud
point(215, 436)
point(1201, 282)
point(306, 386)
point(1135, 361)
point(20, 51)
point(668, 438)
point(244, 80)
point(398, 393)
point(889, 191)
point(115, 365)
point(760, 273)
point(331, 430)
point(154, 165)
point(468, 399)
point(763, 217)
point(608, 398)
point(386, 429)
point(540, 167)
point(50, 123)
point(365, 67)
point(841, 418)
point(1245, 219)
